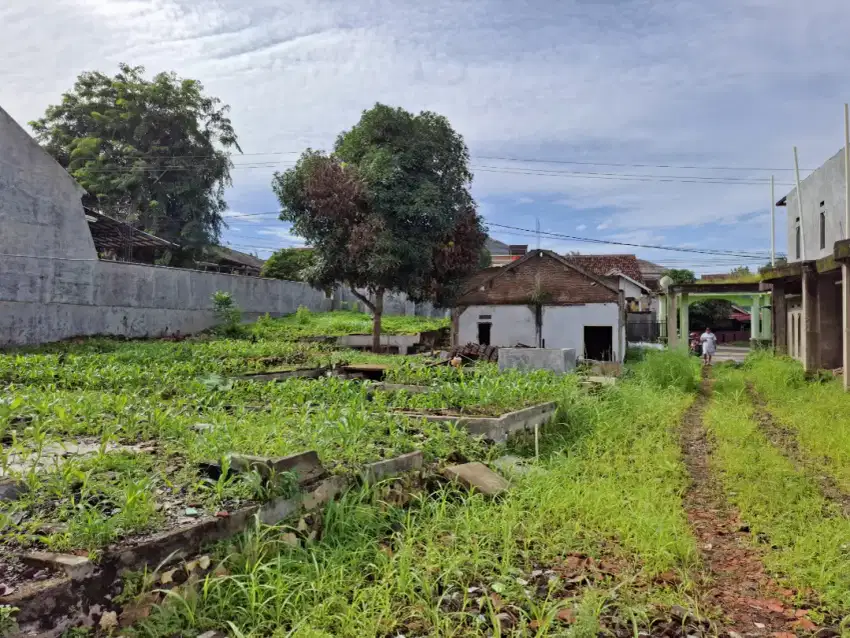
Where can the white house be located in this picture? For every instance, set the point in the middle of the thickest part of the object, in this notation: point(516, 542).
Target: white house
point(546, 300)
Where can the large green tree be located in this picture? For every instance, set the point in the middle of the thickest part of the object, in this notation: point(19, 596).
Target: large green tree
point(153, 153)
point(388, 210)
point(288, 263)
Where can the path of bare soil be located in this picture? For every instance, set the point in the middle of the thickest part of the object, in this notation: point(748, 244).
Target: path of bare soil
point(735, 584)
point(785, 441)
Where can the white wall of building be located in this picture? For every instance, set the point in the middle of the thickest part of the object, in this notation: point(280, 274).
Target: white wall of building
point(826, 185)
point(510, 325)
point(563, 326)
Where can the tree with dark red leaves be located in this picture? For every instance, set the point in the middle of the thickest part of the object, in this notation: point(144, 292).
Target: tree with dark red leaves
point(388, 211)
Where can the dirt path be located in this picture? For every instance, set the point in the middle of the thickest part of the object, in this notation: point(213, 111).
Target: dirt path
point(786, 442)
point(735, 583)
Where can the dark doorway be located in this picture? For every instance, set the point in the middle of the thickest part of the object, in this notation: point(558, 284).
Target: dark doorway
point(484, 333)
point(598, 343)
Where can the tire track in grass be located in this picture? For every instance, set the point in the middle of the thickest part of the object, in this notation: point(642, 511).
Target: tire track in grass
point(786, 442)
point(736, 583)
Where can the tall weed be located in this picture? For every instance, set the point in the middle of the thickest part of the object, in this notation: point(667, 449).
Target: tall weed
point(665, 369)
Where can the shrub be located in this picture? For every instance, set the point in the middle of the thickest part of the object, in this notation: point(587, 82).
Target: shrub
point(227, 312)
point(302, 315)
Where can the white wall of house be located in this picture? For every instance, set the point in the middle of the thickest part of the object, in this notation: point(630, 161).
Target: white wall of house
point(510, 325)
point(630, 290)
point(563, 326)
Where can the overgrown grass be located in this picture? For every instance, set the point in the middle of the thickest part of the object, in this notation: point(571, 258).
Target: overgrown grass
point(669, 369)
point(807, 534)
point(819, 413)
point(609, 486)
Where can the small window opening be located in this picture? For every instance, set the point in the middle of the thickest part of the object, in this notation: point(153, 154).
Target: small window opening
point(822, 230)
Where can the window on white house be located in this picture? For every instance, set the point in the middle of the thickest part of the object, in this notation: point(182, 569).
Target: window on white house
point(822, 229)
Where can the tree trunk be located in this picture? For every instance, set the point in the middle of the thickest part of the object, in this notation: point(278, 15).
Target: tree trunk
point(376, 320)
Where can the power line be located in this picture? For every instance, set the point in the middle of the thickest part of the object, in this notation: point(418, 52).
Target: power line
point(529, 160)
point(537, 160)
point(630, 244)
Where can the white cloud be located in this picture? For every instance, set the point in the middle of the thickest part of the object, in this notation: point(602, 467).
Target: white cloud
point(283, 234)
point(524, 200)
point(683, 82)
point(581, 227)
point(604, 225)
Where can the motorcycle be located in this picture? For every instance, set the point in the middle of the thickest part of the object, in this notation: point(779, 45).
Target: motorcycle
point(694, 345)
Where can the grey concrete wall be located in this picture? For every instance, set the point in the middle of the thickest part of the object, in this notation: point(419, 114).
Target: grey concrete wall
point(826, 185)
point(40, 210)
point(394, 304)
point(48, 300)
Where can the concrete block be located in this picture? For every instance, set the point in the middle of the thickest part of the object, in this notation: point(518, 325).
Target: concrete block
point(11, 490)
point(477, 476)
point(374, 472)
point(559, 360)
point(326, 491)
point(305, 465)
point(76, 567)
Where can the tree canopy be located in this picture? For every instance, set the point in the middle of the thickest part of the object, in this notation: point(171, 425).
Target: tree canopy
point(389, 209)
point(153, 153)
point(289, 263)
point(680, 275)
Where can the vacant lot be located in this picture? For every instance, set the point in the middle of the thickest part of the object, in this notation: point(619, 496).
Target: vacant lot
point(662, 505)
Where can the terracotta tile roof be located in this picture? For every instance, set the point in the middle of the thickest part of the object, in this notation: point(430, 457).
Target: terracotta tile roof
point(561, 282)
point(602, 265)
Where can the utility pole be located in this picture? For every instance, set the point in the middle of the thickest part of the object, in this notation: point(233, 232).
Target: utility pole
point(845, 267)
point(772, 225)
point(800, 208)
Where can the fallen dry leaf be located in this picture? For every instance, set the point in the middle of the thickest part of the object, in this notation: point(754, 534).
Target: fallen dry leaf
point(776, 607)
point(204, 562)
point(534, 624)
point(497, 601)
point(805, 624)
point(167, 577)
point(566, 615)
point(801, 612)
point(784, 634)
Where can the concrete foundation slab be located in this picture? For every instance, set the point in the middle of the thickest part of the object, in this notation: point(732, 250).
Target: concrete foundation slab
point(409, 462)
point(477, 476)
point(402, 343)
point(305, 465)
point(560, 360)
point(498, 429)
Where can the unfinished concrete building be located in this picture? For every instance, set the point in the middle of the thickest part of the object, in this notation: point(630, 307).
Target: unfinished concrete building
point(806, 294)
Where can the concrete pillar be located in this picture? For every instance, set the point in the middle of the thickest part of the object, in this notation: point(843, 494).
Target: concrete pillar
point(684, 319)
point(662, 315)
point(766, 319)
point(779, 310)
point(809, 348)
point(672, 337)
point(829, 323)
point(755, 319)
point(845, 322)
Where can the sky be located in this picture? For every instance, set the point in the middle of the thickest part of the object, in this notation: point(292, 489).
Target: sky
point(635, 121)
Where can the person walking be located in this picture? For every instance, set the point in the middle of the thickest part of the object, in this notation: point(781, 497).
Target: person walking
point(709, 345)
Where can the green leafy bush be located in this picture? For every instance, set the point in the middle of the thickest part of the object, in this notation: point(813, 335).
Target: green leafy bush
point(227, 312)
